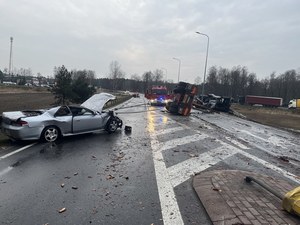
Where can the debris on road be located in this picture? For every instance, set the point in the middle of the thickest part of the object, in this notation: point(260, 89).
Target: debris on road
point(284, 158)
point(62, 210)
point(212, 102)
point(128, 129)
point(109, 177)
point(74, 187)
point(75, 174)
point(62, 185)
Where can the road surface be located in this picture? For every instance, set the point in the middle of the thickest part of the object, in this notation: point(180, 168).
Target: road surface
point(142, 177)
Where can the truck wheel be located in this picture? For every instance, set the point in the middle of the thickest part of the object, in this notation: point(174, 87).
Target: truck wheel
point(112, 125)
point(50, 134)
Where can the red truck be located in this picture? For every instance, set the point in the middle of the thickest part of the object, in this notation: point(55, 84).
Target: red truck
point(263, 100)
point(158, 95)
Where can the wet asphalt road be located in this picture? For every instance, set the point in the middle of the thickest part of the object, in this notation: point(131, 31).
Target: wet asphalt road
point(142, 177)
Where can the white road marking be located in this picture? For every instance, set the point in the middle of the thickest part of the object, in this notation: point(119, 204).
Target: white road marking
point(182, 141)
point(266, 164)
point(168, 178)
point(169, 130)
point(249, 133)
point(6, 170)
point(169, 207)
point(181, 172)
point(16, 151)
point(240, 145)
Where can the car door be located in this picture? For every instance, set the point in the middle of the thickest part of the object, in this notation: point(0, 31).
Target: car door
point(86, 120)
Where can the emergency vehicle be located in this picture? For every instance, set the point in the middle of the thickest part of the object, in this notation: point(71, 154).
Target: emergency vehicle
point(158, 95)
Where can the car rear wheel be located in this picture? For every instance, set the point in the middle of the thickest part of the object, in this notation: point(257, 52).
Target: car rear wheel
point(50, 134)
point(112, 125)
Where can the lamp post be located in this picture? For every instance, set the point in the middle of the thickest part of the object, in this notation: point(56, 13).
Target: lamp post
point(166, 72)
point(179, 61)
point(205, 62)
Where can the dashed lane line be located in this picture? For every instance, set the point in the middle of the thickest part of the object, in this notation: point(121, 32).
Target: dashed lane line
point(16, 151)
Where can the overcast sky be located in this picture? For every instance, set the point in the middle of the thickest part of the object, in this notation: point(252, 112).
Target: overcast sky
point(145, 35)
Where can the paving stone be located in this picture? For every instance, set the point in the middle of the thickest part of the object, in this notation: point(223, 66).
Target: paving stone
point(228, 199)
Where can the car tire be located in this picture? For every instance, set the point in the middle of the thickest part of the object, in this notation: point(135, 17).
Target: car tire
point(112, 125)
point(50, 134)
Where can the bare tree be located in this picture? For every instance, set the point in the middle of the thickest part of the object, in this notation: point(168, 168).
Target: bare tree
point(148, 79)
point(158, 76)
point(115, 74)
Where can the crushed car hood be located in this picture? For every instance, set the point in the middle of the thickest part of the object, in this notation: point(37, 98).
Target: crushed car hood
point(97, 101)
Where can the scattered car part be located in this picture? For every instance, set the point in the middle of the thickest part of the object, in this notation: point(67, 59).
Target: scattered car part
point(213, 102)
point(290, 201)
point(128, 128)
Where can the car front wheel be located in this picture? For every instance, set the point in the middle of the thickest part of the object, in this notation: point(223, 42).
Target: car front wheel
point(112, 125)
point(50, 134)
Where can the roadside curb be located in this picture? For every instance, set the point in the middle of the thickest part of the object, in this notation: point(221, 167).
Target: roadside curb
point(228, 199)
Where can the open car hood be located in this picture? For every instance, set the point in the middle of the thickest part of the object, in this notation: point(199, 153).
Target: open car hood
point(97, 101)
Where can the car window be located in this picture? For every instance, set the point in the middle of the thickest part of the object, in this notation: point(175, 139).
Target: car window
point(78, 111)
point(63, 111)
point(86, 112)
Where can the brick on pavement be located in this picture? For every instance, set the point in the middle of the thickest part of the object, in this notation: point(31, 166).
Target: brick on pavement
point(229, 199)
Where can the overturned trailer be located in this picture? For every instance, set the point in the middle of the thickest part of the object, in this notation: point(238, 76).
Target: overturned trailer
point(183, 99)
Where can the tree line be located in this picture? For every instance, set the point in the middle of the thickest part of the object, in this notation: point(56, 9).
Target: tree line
point(77, 86)
point(238, 81)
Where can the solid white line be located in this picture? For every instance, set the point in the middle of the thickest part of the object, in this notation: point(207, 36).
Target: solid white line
point(181, 172)
point(16, 151)
point(182, 141)
point(168, 202)
point(255, 136)
point(240, 145)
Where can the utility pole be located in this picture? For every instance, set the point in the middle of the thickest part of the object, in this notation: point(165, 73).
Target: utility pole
point(179, 63)
point(10, 57)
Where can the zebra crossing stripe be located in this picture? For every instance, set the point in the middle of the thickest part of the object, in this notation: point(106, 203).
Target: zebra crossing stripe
point(181, 172)
point(182, 141)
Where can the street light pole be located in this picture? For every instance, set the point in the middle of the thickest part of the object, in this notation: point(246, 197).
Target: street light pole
point(205, 62)
point(179, 61)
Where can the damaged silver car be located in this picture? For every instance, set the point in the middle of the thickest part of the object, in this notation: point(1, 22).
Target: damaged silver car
point(50, 124)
